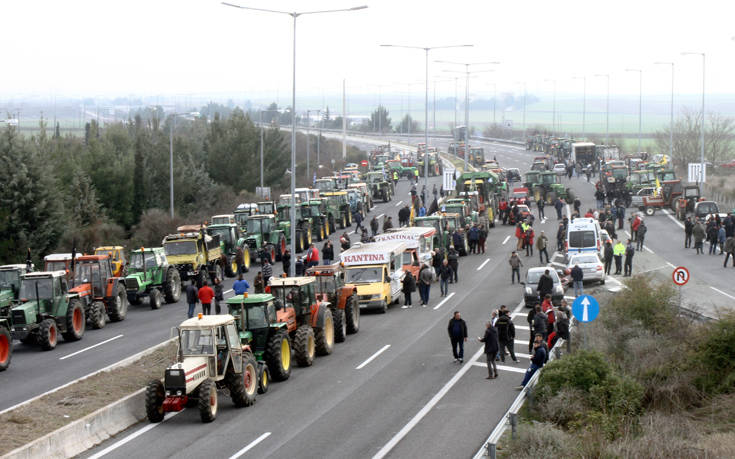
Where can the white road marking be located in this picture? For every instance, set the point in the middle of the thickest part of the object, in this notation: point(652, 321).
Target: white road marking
point(518, 308)
point(720, 291)
point(352, 232)
point(444, 301)
point(227, 291)
point(681, 225)
point(425, 410)
point(649, 250)
point(671, 264)
point(522, 327)
point(399, 203)
point(252, 445)
point(483, 264)
point(500, 367)
point(91, 347)
point(569, 297)
point(133, 436)
point(506, 239)
point(372, 357)
point(381, 215)
point(520, 341)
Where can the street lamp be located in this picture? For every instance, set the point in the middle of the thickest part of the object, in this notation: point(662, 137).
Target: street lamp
point(607, 107)
point(671, 121)
point(262, 142)
point(426, 99)
point(294, 15)
point(584, 102)
point(640, 102)
point(467, 73)
point(701, 154)
point(553, 119)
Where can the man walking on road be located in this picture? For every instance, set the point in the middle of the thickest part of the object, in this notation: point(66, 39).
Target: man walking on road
point(506, 334)
point(426, 277)
point(729, 251)
point(545, 285)
point(688, 228)
point(640, 235)
point(699, 235)
point(491, 349)
point(409, 286)
point(541, 243)
point(578, 279)
point(192, 297)
point(218, 295)
point(515, 267)
point(241, 285)
point(206, 294)
point(541, 204)
point(374, 225)
point(457, 329)
point(618, 252)
point(453, 258)
point(558, 205)
point(629, 252)
point(607, 256)
point(445, 274)
point(267, 270)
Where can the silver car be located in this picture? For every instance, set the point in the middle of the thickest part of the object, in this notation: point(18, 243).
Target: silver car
point(636, 201)
point(593, 268)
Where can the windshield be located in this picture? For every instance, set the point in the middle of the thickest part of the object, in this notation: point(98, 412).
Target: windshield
point(256, 316)
point(315, 211)
point(86, 272)
point(324, 186)
point(288, 295)
point(579, 239)
point(584, 259)
point(56, 265)
point(181, 247)
point(224, 233)
point(619, 173)
point(197, 342)
point(10, 278)
point(241, 219)
point(109, 253)
point(432, 223)
point(705, 208)
point(407, 257)
point(254, 226)
point(668, 176)
point(28, 288)
point(136, 260)
point(549, 179)
point(532, 177)
point(265, 208)
point(364, 275)
point(220, 220)
point(451, 224)
point(326, 284)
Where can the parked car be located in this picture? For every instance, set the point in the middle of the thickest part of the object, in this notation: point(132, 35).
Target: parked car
point(560, 169)
point(530, 295)
point(592, 266)
point(636, 201)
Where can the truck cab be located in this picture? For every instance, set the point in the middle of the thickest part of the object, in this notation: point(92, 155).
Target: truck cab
point(376, 269)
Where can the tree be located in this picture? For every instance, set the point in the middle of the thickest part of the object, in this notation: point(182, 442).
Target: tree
point(139, 170)
point(379, 120)
point(687, 141)
point(407, 125)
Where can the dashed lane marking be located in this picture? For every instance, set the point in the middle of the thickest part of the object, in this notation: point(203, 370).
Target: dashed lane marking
point(723, 293)
point(133, 436)
point(671, 264)
point(399, 203)
point(500, 367)
point(483, 264)
point(250, 446)
point(506, 239)
point(666, 212)
point(372, 357)
point(90, 347)
point(444, 301)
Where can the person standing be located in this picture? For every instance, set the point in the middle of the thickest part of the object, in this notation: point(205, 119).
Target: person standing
point(538, 358)
point(560, 236)
point(218, 295)
point(621, 215)
point(483, 238)
point(299, 266)
point(721, 238)
point(607, 256)
point(387, 224)
point(506, 334)
point(357, 217)
point(640, 235)
point(374, 225)
point(635, 223)
point(729, 251)
point(578, 280)
point(541, 205)
point(328, 252)
point(515, 267)
point(540, 322)
point(528, 240)
point(541, 244)
point(558, 205)
point(457, 330)
point(192, 297)
point(258, 284)
point(503, 210)
point(240, 286)
point(206, 294)
point(699, 235)
point(409, 286)
point(688, 228)
point(240, 260)
point(712, 237)
point(577, 205)
point(344, 241)
point(618, 252)
point(426, 277)
point(545, 285)
point(629, 252)
point(286, 261)
point(491, 349)
point(445, 275)
point(474, 237)
point(453, 259)
point(267, 270)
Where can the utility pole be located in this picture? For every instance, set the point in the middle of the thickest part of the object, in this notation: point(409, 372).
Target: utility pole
point(344, 120)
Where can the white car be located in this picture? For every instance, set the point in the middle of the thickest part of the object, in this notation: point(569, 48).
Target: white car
point(592, 266)
point(560, 169)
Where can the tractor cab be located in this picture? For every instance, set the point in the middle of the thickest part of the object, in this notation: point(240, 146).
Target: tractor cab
point(99, 289)
point(267, 207)
point(10, 276)
point(224, 219)
point(254, 315)
point(117, 258)
point(326, 184)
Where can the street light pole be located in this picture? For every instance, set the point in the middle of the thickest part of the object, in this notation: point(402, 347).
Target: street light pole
point(607, 107)
point(553, 115)
point(701, 153)
point(307, 144)
point(671, 121)
point(294, 15)
point(640, 103)
point(584, 102)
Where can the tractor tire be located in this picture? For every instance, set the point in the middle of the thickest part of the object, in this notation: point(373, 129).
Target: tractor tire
point(650, 211)
point(320, 233)
point(298, 243)
point(326, 227)
point(118, 308)
point(207, 400)
point(6, 348)
point(155, 299)
point(75, 321)
point(343, 221)
point(172, 285)
point(270, 250)
point(264, 379)
point(304, 346)
point(278, 355)
point(325, 335)
point(246, 259)
point(231, 267)
point(352, 315)
point(97, 316)
point(154, 396)
point(243, 387)
point(349, 218)
point(134, 299)
point(48, 334)
point(340, 326)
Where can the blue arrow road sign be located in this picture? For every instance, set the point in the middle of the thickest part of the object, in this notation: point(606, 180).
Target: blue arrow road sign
point(585, 308)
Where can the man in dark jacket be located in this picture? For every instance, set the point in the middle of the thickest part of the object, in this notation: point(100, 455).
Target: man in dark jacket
point(426, 277)
point(374, 225)
point(457, 330)
point(286, 260)
point(506, 333)
point(607, 256)
point(491, 349)
point(328, 252)
point(560, 236)
point(577, 278)
point(537, 361)
point(458, 242)
point(192, 297)
point(541, 205)
point(629, 251)
point(404, 216)
point(453, 258)
point(545, 284)
point(540, 322)
point(409, 286)
point(445, 275)
point(558, 205)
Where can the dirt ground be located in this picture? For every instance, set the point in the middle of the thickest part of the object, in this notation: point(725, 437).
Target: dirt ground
point(49, 413)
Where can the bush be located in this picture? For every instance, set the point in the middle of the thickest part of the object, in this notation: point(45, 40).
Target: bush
point(654, 307)
point(538, 439)
point(715, 356)
point(580, 370)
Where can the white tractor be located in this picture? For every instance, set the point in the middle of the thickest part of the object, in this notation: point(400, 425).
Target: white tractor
point(210, 357)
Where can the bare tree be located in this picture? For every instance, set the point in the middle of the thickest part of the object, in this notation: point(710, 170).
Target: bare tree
point(718, 138)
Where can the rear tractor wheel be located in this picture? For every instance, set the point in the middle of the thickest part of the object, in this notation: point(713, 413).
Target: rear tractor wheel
point(207, 400)
point(97, 316)
point(243, 387)
point(48, 334)
point(340, 325)
point(155, 299)
point(172, 285)
point(278, 355)
point(118, 307)
point(6, 348)
point(154, 396)
point(304, 345)
point(75, 321)
point(325, 335)
point(352, 315)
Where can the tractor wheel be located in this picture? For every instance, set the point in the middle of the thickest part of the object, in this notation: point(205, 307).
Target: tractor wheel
point(155, 299)
point(48, 334)
point(243, 387)
point(278, 355)
point(75, 321)
point(309, 239)
point(320, 233)
point(231, 267)
point(264, 379)
point(154, 397)
point(343, 221)
point(118, 309)
point(270, 250)
point(349, 218)
point(97, 316)
point(6, 348)
point(298, 243)
point(327, 228)
point(246, 259)
point(304, 346)
point(325, 335)
point(172, 285)
point(352, 315)
point(340, 327)
point(133, 298)
point(650, 211)
point(207, 400)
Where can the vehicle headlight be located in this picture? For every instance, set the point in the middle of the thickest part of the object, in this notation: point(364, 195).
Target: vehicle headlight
point(168, 393)
point(528, 290)
point(178, 392)
point(377, 296)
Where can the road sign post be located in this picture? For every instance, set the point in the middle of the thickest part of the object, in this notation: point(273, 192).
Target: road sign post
point(680, 276)
point(448, 179)
point(697, 173)
point(585, 308)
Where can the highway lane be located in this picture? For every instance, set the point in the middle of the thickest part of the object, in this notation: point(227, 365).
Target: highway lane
point(30, 375)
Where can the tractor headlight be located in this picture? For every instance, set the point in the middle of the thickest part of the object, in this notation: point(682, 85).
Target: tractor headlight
point(168, 393)
point(178, 392)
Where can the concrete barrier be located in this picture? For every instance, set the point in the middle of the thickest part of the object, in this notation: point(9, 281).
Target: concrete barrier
point(84, 433)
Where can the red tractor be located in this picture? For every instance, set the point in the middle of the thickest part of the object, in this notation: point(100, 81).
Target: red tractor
point(342, 298)
point(102, 294)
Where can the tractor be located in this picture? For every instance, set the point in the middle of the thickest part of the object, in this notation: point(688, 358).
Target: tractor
point(316, 210)
point(337, 209)
point(10, 277)
point(533, 182)
point(243, 212)
point(434, 163)
point(267, 207)
point(326, 184)
point(455, 223)
point(551, 188)
point(150, 275)
point(102, 293)
point(306, 224)
point(331, 288)
point(357, 205)
point(687, 201)
point(117, 258)
point(194, 253)
point(460, 207)
point(438, 222)
point(265, 236)
point(283, 224)
point(230, 239)
point(366, 198)
point(223, 219)
point(476, 156)
point(380, 188)
point(46, 308)
point(210, 357)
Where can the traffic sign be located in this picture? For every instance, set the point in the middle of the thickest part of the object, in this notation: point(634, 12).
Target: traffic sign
point(680, 275)
point(448, 182)
point(585, 308)
point(697, 173)
point(363, 163)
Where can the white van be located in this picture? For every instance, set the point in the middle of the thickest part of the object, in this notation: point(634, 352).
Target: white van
point(583, 235)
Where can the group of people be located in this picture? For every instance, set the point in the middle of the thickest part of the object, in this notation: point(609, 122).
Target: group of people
point(444, 268)
point(719, 232)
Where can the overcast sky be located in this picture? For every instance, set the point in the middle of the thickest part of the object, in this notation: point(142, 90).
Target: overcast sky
point(198, 47)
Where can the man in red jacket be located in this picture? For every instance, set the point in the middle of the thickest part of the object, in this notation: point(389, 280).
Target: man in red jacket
point(206, 294)
point(312, 256)
point(634, 226)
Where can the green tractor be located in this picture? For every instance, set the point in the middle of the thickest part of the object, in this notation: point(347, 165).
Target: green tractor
point(266, 236)
point(476, 156)
point(434, 164)
point(306, 224)
point(242, 212)
point(337, 209)
point(10, 276)
point(533, 183)
point(640, 179)
point(551, 188)
point(379, 186)
point(230, 239)
point(455, 223)
point(316, 210)
point(46, 308)
point(461, 207)
point(150, 275)
point(439, 223)
point(326, 184)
